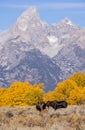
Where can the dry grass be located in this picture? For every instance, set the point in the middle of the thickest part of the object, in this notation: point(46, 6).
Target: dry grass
point(28, 118)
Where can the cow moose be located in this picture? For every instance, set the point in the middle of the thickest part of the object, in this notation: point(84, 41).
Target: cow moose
point(40, 106)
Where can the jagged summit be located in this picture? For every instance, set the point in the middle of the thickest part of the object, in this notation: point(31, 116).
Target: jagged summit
point(65, 21)
point(28, 19)
point(32, 9)
point(30, 12)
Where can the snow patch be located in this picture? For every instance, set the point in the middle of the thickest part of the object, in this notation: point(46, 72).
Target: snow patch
point(69, 23)
point(54, 46)
point(52, 39)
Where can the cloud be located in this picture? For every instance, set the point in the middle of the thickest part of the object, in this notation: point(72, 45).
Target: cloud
point(62, 5)
point(13, 6)
point(50, 5)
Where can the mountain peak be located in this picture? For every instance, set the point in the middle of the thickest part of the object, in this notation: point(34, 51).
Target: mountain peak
point(67, 21)
point(27, 19)
point(32, 10)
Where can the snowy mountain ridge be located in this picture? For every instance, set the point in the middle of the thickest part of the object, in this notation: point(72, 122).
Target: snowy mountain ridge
point(33, 50)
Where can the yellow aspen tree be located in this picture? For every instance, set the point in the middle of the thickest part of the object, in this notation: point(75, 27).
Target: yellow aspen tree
point(63, 89)
point(77, 96)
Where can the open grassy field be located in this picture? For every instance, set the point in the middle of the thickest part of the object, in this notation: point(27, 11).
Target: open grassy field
point(28, 118)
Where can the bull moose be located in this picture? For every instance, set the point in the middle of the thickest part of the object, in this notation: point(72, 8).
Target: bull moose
point(56, 104)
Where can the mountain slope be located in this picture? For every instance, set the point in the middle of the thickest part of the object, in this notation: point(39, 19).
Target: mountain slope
point(33, 67)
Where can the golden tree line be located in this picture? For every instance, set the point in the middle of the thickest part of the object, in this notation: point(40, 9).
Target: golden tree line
point(19, 93)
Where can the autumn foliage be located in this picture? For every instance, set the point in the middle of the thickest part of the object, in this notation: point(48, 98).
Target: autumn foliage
point(71, 90)
point(19, 93)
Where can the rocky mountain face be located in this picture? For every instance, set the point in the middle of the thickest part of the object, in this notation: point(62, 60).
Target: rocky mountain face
point(35, 51)
point(34, 67)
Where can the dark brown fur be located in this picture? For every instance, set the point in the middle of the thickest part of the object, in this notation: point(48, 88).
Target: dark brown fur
point(40, 106)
